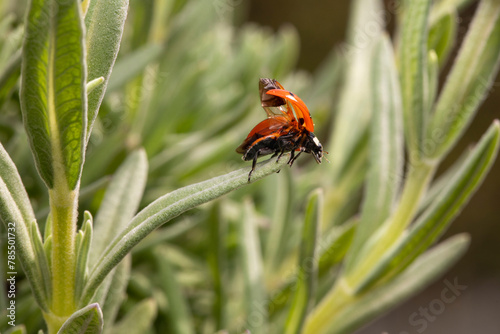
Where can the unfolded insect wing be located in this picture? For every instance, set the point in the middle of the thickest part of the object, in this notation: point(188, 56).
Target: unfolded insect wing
point(301, 111)
point(272, 105)
point(266, 100)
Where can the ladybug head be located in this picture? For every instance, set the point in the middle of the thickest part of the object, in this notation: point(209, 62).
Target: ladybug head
point(313, 146)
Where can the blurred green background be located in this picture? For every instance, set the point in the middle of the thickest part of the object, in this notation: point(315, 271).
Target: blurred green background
point(321, 26)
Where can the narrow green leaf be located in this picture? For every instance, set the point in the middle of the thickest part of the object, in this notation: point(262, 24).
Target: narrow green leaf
point(133, 64)
point(94, 84)
point(104, 21)
point(102, 291)
point(162, 13)
point(138, 319)
point(17, 214)
point(354, 110)
point(278, 201)
point(47, 247)
point(78, 239)
point(120, 202)
point(218, 262)
point(87, 320)
point(180, 319)
point(36, 240)
point(375, 302)
point(442, 36)
point(433, 222)
point(348, 182)
point(48, 227)
point(469, 80)
point(386, 146)
point(439, 184)
point(413, 56)
point(53, 95)
point(432, 82)
point(335, 245)
point(308, 266)
point(333, 248)
point(82, 254)
point(251, 262)
point(167, 207)
point(116, 292)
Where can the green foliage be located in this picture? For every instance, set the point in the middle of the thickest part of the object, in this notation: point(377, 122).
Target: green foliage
point(413, 67)
point(308, 268)
point(53, 94)
point(16, 210)
point(104, 22)
point(469, 80)
point(85, 321)
point(138, 319)
point(181, 242)
point(423, 271)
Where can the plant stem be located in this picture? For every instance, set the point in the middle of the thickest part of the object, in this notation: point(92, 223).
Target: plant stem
point(414, 189)
point(419, 176)
point(54, 323)
point(63, 204)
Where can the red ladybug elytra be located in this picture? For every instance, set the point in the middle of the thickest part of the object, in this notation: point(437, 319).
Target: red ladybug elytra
point(282, 131)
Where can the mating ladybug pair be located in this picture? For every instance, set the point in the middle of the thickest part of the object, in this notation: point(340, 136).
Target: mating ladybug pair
point(282, 131)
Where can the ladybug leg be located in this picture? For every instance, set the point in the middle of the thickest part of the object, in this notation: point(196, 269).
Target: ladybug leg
point(254, 162)
point(293, 158)
point(280, 155)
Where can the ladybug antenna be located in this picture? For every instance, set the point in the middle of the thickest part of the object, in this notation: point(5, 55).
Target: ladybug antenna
point(325, 152)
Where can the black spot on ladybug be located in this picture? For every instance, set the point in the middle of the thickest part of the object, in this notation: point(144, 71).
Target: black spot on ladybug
point(291, 94)
point(301, 121)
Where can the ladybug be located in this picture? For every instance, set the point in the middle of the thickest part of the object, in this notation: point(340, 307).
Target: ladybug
point(282, 131)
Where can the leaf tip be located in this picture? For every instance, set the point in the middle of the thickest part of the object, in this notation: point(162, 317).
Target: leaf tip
point(496, 124)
